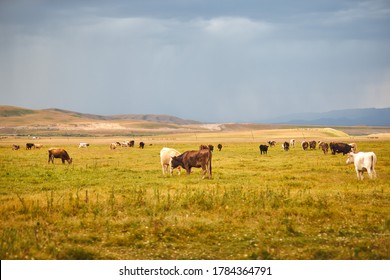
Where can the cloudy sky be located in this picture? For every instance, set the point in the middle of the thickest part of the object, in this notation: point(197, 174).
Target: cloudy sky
point(208, 60)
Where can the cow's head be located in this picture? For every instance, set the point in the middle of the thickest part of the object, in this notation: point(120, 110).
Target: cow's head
point(70, 160)
point(176, 162)
point(351, 158)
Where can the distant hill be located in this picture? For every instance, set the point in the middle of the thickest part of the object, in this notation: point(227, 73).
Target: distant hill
point(349, 117)
point(11, 111)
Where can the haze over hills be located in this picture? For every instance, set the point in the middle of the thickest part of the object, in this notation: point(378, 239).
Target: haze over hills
point(349, 117)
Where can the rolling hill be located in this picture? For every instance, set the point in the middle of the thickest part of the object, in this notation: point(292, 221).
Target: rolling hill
point(59, 122)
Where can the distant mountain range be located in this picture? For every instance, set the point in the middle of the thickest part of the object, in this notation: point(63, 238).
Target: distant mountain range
point(348, 117)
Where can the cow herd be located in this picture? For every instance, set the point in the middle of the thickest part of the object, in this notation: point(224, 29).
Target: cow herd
point(171, 158)
point(363, 161)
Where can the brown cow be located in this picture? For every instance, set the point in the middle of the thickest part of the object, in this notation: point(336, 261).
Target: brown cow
point(15, 147)
point(59, 153)
point(189, 159)
point(324, 147)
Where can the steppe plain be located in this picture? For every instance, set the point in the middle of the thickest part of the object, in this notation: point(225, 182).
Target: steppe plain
point(117, 204)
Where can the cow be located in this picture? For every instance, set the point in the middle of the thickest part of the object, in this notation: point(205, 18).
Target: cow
point(59, 153)
point(210, 147)
point(286, 146)
point(38, 146)
point(263, 149)
point(131, 143)
point(166, 155)
point(189, 159)
point(124, 144)
point(113, 145)
point(15, 147)
point(324, 147)
point(305, 145)
point(219, 147)
point(83, 145)
point(292, 143)
point(272, 143)
point(29, 146)
point(340, 148)
point(141, 145)
point(312, 145)
point(363, 161)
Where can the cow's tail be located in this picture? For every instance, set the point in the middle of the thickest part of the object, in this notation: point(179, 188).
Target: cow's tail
point(210, 169)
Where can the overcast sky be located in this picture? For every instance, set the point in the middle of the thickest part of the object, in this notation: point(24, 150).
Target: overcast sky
point(207, 60)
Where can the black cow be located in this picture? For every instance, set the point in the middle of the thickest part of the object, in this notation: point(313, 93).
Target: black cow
point(286, 146)
point(263, 149)
point(340, 148)
point(219, 147)
point(141, 145)
point(189, 159)
point(29, 146)
point(305, 145)
point(312, 145)
point(131, 143)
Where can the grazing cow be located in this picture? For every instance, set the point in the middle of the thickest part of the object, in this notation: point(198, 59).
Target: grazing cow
point(83, 145)
point(124, 144)
point(363, 162)
point(324, 147)
point(131, 143)
point(292, 143)
point(166, 155)
point(312, 145)
point(141, 145)
point(113, 145)
point(29, 146)
point(38, 146)
point(15, 147)
point(340, 148)
point(272, 143)
point(263, 149)
point(305, 145)
point(219, 147)
point(59, 153)
point(189, 159)
point(286, 146)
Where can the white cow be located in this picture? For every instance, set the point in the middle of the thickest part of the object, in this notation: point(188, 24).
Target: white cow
point(363, 162)
point(292, 143)
point(83, 145)
point(113, 145)
point(166, 155)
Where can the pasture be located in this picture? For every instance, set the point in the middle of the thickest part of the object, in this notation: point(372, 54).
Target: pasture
point(116, 204)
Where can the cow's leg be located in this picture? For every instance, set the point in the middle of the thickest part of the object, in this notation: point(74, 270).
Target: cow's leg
point(204, 170)
point(178, 170)
point(163, 168)
point(63, 160)
point(373, 173)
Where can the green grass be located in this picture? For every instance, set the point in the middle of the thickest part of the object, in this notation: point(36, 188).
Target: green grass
point(118, 205)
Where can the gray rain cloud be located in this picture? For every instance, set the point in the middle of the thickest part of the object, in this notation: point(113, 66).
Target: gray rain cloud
point(202, 60)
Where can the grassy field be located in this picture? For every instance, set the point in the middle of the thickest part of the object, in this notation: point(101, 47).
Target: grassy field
point(116, 204)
